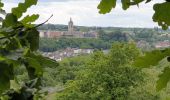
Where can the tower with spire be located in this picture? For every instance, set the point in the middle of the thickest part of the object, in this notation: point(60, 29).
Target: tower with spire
point(70, 27)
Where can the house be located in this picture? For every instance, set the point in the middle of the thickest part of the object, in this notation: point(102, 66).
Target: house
point(164, 44)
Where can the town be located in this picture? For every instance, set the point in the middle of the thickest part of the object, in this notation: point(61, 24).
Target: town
point(72, 33)
point(69, 52)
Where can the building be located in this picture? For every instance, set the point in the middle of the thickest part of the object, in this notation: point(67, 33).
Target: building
point(71, 27)
point(51, 34)
point(55, 34)
point(143, 45)
point(68, 52)
point(163, 44)
point(90, 34)
point(71, 33)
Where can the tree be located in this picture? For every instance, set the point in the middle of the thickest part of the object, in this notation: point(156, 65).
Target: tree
point(105, 77)
point(113, 36)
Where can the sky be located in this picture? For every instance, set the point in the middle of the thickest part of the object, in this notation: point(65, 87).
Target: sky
point(85, 13)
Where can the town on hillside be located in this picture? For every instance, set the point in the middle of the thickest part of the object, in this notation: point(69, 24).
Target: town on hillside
point(70, 33)
point(145, 39)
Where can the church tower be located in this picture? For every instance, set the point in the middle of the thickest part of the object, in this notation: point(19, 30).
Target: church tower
point(70, 27)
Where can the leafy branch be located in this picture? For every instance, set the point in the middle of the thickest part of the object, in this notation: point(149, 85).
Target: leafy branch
point(14, 34)
point(161, 15)
point(18, 48)
point(44, 22)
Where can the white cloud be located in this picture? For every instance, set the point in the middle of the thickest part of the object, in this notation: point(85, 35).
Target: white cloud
point(85, 12)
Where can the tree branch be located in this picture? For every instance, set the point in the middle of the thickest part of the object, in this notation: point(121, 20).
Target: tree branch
point(44, 22)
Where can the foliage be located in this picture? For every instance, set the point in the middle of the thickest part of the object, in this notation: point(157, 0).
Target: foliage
point(50, 45)
point(65, 71)
point(106, 37)
point(28, 19)
point(161, 14)
point(106, 6)
point(105, 77)
point(146, 90)
point(71, 68)
point(22, 7)
point(104, 41)
point(164, 78)
point(152, 59)
point(113, 36)
point(19, 44)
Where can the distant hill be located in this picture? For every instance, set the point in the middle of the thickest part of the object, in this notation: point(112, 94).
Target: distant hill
point(61, 27)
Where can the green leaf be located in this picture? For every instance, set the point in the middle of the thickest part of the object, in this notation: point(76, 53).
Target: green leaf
point(6, 74)
point(23, 39)
point(3, 12)
point(1, 19)
point(44, 61)
point(13, 44)
point(164, 78)
point(125, 4)
point(33, 39)
point(147, 1)
point(22, 7)
point(10, 20)
point(14, 85)
point(33, 67)
point(10, 58)
point(29, 19)
point(2, 58)
point(161, 15)
point(151, 58)
point(168, 58)
point(1, 4)
point(106, 6)
point(136, 2)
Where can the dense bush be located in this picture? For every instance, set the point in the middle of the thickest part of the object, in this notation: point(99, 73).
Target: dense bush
point(105, 77)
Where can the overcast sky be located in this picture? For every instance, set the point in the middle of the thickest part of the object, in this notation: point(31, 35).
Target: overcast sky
point(85, 13)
